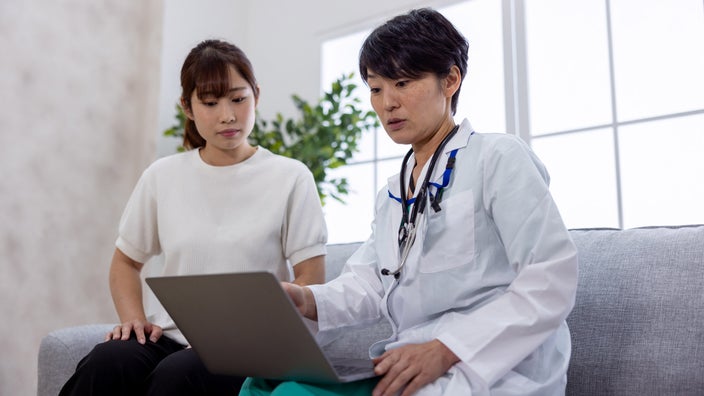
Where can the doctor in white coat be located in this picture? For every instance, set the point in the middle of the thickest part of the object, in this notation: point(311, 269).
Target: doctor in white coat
point(469, 259)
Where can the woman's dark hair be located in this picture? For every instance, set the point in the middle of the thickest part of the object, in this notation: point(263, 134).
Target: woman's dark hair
point(206, 71)
point(410, 45)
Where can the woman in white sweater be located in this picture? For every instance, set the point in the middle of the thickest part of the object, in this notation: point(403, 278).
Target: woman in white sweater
point(221, 206)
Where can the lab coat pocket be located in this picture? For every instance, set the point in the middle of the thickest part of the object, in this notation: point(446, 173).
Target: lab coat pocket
point(449, 239)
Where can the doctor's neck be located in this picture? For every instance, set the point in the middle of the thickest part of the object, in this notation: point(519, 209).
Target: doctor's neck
point(423, 150)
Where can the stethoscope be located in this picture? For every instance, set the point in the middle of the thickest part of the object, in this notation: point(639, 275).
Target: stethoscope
point(407, 229)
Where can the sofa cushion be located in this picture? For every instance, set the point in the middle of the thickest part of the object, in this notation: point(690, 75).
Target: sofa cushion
point(61, 350)
point(337, 257)
point(638, 324)
point(353, 342)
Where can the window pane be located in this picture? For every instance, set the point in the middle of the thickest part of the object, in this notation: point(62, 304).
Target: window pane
point(338, 57)
point(482, 95)
point(583, 181)
point(658, 57)
point(387, 147)
point(351, 222)
point(568, 67)
point(662, 170)
point(387, 169)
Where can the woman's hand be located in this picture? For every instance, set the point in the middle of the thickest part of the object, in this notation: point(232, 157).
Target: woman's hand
point(126, 290)
point(141, 329)
point(410, 367)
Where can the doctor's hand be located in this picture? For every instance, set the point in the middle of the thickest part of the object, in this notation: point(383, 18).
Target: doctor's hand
point(303, 299)
point(410, 367)
point(141, 329)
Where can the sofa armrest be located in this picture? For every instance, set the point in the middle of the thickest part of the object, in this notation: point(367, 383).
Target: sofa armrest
point(61, 350)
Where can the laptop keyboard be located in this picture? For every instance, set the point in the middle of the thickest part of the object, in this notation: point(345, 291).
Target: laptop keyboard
point(345, 371)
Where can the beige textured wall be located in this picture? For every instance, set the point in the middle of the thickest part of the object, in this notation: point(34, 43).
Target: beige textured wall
point(79, 85)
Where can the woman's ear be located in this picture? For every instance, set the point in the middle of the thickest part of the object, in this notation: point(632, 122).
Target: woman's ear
point(452, 81)
point(256, 97)
point(186, 109)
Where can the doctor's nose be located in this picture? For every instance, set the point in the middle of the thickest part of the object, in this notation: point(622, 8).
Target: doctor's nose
point(389, 100)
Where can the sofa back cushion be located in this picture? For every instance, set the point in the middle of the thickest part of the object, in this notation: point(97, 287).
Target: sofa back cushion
point(336, 258)
point(638, 323)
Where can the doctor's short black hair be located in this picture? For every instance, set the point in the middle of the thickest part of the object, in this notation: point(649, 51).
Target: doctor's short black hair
point(410, 45)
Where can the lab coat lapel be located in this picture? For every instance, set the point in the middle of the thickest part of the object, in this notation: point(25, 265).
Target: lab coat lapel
point(394, 208)
point(458, 142)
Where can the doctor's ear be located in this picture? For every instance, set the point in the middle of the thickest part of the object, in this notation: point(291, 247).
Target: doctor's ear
point(451, 82)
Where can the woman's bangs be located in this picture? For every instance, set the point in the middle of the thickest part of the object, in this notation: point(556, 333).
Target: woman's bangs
point(213, 78)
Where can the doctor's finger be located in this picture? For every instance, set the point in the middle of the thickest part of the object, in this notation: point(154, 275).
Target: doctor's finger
point(294, 292)
point(394, 381)
point(383, 363)
point(416, 382)
point(395, 374)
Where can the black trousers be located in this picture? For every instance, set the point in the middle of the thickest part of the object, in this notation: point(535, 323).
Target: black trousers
point(119, 367)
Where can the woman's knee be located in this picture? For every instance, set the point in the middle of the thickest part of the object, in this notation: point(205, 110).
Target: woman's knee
point(175, 372)
point(183, 373)
point(112, 353)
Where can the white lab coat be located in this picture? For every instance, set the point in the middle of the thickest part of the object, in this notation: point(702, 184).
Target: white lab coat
point(492, 275)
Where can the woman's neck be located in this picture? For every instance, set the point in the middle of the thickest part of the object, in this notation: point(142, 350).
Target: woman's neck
point(216, 157)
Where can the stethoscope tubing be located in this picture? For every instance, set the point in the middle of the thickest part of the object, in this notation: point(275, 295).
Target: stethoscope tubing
point(407, 230)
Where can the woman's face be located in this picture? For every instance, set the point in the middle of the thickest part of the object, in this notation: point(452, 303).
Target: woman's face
point(412, 110)
point(225, 122)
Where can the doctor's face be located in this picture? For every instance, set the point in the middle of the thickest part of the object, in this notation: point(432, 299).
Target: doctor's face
point(411, 110)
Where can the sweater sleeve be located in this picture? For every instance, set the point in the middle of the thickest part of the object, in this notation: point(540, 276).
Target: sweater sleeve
point(494, 338)
point(304, 231)
point(138, 235)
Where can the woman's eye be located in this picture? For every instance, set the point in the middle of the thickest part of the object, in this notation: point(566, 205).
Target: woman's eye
point(402, 83)
point(374, 90)
point(210, 103)
point(239, 100)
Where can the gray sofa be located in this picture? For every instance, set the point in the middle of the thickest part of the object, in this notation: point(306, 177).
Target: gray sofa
point(637, 326)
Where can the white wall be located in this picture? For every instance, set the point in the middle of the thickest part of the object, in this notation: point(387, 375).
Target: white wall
point(77, 123)
point(185, 24)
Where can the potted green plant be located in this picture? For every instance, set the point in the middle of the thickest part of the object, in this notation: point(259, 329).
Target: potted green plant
point(324, 136)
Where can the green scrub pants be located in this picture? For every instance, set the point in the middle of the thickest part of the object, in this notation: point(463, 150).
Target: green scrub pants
point(262, 387)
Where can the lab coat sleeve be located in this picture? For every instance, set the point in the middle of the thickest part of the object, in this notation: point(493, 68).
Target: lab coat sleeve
point(494, 338)
point(353, 298)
